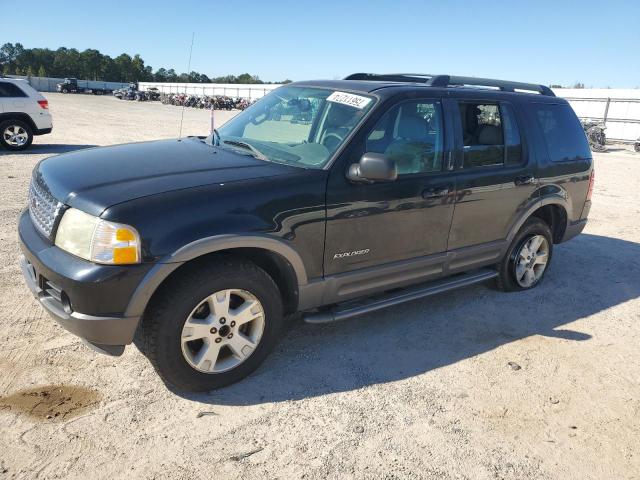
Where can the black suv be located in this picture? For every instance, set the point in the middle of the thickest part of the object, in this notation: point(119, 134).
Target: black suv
point(330, 198)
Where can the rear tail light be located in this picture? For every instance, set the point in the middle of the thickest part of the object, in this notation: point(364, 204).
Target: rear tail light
point(591, 181)
point(44, 104)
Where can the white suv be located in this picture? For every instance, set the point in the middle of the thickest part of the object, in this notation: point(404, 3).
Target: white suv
point(23, 113)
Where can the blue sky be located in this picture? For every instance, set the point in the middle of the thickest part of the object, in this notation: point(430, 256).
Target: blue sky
point(594, 42)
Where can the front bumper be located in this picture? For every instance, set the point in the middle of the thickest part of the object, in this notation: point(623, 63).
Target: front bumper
point(84, 298)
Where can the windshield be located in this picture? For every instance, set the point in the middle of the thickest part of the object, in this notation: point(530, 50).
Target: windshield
point(299, 126)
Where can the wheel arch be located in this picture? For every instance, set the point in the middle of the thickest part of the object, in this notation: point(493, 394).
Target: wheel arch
point(19, 116)
point(277, 258)
point(553, 210)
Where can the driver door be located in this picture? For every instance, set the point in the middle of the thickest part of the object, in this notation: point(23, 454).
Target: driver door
point(380, 226)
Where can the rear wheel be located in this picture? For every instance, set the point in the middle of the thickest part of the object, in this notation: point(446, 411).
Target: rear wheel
point(212, 325)
point(527, 258)
point(15, 135)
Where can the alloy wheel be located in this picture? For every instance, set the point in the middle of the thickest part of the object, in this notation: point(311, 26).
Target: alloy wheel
point(15, 136)
point(222, 331)
point(531, 261)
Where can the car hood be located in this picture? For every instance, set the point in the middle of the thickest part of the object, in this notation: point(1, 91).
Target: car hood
point(94, 179)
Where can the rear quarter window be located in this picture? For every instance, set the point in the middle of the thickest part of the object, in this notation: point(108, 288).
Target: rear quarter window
point(8, 90)
point(562, 131)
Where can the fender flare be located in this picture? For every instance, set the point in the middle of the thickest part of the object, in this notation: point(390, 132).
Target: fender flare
point(166, 266)
point(548, 200)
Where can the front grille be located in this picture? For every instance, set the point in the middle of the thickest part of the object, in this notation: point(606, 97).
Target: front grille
point(43, 207)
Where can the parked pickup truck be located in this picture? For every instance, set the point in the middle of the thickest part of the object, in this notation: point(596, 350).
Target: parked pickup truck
point(71, 85)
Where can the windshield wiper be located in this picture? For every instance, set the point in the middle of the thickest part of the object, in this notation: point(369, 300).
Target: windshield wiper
point(256, 153)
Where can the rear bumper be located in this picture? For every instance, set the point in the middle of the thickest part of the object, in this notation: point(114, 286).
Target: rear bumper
point(87, 299)
point(573, 230)
point(43, 131)
point(42, 122)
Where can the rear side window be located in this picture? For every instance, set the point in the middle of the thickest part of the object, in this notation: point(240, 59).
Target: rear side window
point(482, 134)
point(10, 90)
point(562, 132)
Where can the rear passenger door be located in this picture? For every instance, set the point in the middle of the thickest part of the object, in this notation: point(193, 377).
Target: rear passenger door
point(12, 98)
point(3, 96)
point(496, 176)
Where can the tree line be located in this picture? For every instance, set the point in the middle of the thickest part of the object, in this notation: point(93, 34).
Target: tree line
point(90, 64)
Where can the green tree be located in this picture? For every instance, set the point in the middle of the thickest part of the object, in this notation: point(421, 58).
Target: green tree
point(124, 64)
point(171, 75)
point(91, 64)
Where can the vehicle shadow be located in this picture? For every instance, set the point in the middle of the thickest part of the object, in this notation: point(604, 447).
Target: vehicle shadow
point(588, 275)
point(42, 148)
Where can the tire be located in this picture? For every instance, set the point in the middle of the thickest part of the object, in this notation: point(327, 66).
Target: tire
point(15, 135)
point(509, 269)
point(636, 147)
point(161, 337)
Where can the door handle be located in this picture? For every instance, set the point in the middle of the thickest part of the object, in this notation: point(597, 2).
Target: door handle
point(524, 180)
point(435, 192)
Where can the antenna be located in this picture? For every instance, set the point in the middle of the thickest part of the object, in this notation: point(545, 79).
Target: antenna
point(193, 35)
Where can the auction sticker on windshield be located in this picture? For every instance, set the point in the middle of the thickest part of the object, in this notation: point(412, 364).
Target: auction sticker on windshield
point(349, 99)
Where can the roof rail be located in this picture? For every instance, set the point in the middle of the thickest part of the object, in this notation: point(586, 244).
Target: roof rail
point(453, 81)
point(390, 77)
point(504, 85)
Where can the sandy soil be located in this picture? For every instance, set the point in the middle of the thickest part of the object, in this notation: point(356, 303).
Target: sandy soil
point(475, 384)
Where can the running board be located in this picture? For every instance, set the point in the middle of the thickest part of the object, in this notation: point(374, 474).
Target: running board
point(405, 295)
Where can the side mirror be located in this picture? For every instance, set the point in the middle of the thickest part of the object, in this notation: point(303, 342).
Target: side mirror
point(373, 167)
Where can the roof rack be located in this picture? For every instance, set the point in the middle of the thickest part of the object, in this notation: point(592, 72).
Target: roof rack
point(453, 81)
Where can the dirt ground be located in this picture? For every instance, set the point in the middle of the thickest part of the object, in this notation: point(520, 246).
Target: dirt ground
point(474, 384)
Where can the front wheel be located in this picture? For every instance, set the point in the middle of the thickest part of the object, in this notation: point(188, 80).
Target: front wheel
point(212, 325)
point(527, 258)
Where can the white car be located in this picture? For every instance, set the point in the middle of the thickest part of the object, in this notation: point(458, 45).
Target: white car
point(24, 112)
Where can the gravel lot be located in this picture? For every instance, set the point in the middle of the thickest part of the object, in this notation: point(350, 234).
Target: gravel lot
point(475, 384)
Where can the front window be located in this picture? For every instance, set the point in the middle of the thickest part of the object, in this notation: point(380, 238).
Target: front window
point(299, 126)
point(410, 134)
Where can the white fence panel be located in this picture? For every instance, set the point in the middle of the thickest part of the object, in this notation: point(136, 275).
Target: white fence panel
point(619, 109)
point(242, 90)
point(252, 91)
point(48, 84)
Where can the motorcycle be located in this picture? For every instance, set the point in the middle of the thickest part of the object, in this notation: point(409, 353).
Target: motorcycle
point(595, 134)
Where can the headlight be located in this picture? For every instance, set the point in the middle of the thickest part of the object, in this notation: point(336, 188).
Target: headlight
point(97, 240)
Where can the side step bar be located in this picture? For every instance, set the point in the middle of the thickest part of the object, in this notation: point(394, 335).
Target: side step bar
point(405, 295)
